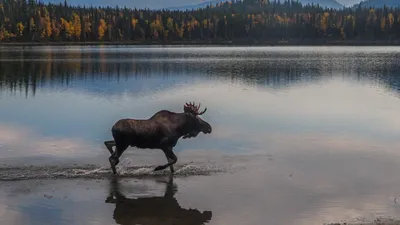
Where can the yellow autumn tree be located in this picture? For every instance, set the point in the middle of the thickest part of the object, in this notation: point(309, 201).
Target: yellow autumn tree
point(371, 17)
point(204, 23)
point(55, 28)
point(279, 19)
point(351, 20)
point(391, 19)
point(179, 30)
point(20, 28)
point(76, 24)
point(193, 24)
point(68, 28)
point(6, 34)
point(48, 28)
point(134, 22)
point(383, 23)
point(32, 27)
point(342, 33)
point(324, 21)
point(156, 27)
point(102, 29)
point(45, 28)
point(170, 24)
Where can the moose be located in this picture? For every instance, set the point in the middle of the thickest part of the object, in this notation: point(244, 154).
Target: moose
point(161, 131)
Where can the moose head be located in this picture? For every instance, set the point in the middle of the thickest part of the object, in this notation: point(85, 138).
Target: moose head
point(199, 125)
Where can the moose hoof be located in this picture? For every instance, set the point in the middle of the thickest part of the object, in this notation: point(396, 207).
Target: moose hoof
point(114, 170)
point(113, 163)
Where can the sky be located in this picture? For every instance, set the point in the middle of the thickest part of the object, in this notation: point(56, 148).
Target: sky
point(154, 3)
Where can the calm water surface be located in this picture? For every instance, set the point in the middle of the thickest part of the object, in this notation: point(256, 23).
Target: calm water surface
point(301, 135)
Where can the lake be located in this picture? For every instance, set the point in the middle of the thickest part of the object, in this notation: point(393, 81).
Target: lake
point(301, 135)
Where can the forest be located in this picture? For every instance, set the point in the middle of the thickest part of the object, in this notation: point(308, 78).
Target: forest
point(245, 20)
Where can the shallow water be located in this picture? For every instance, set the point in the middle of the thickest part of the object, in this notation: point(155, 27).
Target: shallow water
point(301, 135)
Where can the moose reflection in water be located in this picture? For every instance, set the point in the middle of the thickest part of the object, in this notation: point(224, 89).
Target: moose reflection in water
point(153, 210)
point(161, 131)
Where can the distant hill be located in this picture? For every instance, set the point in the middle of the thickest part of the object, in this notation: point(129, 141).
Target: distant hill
point(322, 3)
point(379, 3)
point(195, 6)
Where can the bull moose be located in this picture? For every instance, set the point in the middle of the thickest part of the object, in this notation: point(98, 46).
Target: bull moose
point(161, 131)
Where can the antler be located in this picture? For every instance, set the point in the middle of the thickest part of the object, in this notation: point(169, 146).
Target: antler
point(192, 108)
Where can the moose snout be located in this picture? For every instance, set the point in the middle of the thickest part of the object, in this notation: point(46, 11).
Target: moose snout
point(208, 130)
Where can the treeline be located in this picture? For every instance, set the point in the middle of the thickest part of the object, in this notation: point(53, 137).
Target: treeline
point(31, 21)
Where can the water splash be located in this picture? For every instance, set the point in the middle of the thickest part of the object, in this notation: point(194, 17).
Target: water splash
point(96, 172)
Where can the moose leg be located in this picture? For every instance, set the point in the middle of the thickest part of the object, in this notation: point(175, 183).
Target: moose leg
point(109, 145)
point(114, 158)
point(172, 159)
point(169, 159)
point(171, 167)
